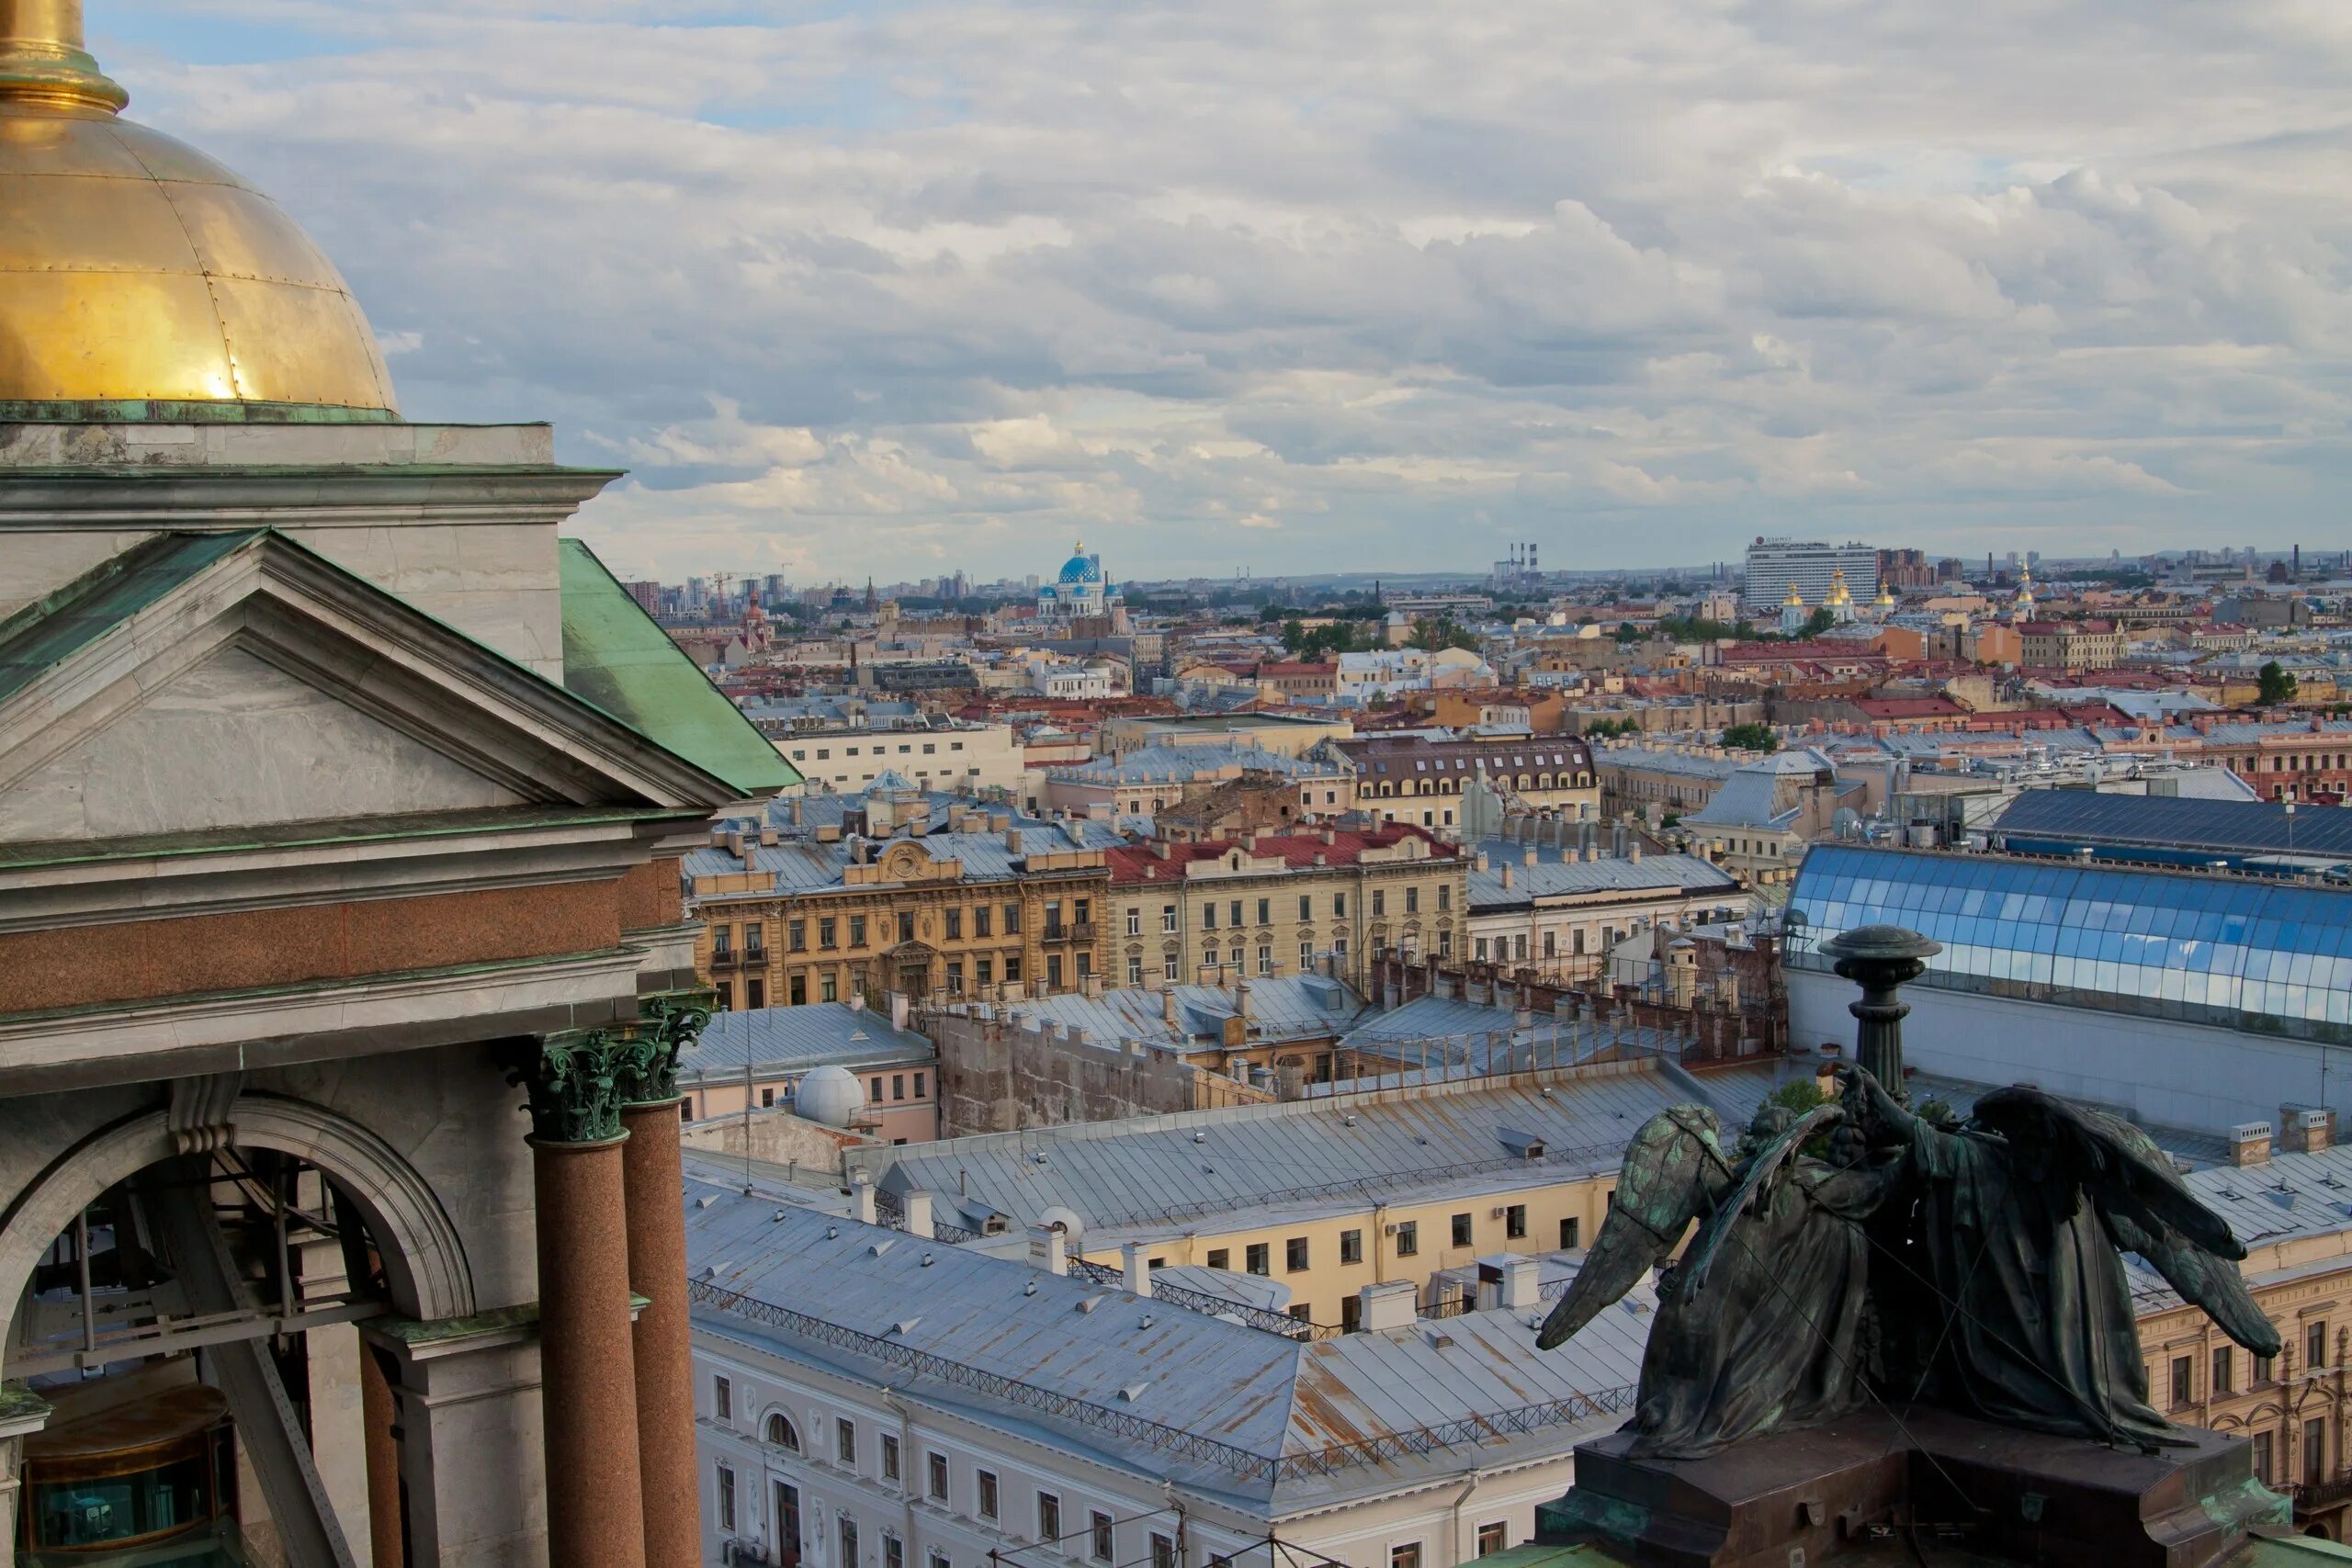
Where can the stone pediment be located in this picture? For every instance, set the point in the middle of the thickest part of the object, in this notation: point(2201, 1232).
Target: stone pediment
point(197, 683)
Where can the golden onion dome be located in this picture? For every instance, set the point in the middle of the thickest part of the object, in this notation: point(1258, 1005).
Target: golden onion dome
point(135, 270)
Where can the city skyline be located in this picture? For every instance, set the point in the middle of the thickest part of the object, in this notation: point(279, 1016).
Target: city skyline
point(932, 285)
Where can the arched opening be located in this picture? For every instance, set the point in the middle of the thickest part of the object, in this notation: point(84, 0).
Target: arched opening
point(185, 1289)
point(782, 1433)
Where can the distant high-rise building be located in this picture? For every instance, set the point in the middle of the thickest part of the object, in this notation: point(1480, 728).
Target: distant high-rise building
point(648, 596)
point(697, 593)
point(1773, 564)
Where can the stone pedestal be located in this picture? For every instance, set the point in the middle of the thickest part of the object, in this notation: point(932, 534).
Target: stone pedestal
point(1864, 1488)
point(588, 1390)
point(665, 1399)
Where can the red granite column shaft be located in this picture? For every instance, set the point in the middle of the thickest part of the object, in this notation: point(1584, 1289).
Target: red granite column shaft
point(665, 1394)
point(378, 1417)
point(587, 1391)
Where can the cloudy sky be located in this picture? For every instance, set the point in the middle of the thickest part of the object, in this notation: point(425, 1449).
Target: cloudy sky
point(905, 286)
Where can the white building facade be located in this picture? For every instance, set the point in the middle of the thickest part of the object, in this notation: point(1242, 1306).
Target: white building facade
point(1774, 563)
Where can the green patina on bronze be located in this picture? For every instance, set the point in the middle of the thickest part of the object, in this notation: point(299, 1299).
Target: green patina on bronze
point(574, 1082)
point(647, 1050)
point(413, 1331)
point(18, 1403)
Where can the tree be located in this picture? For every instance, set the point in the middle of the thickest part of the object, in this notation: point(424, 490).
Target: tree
point(1430, 636)
point(2277, 686)
point(1820, 621)
point(1610, 729)
point(1751, 737)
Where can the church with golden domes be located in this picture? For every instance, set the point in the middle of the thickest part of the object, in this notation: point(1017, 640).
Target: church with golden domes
point(343, 971)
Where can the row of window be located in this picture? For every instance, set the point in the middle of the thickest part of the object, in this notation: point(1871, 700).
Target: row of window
point(824, 753)
point(1257, 1256)
point(828, 928)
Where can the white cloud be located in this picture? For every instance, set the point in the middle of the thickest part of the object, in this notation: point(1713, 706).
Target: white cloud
point(939, 282)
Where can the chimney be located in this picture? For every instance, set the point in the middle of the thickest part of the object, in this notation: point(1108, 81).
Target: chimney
point(1241, 1001)
point(1527, 858)
point(2305, 1130)
point(1013, 840)
point(1479, 861)
point(1135, 1267)
point(1512, 1280)
point(1634, 852)
point(1506, 878)
point(860, 1188)
point(1393, 1305)
point(2250, 1144)
point(917, 1211)
point(1048, 1250)
point(1168, 1009)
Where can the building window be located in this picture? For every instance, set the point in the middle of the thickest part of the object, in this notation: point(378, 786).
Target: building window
point(726, 1498)
point(1444, 897)
point(1012, 919)
point(1305, 957)
point(1408, 1239)
point(755, 993)
point(829, 933)
point(797, 988)
point(1412, 901)
point(1350, 1313)
point(1168, 916)
point(2315, 1451)
point(2222, 1371)
point(849, 1542)
point(1011, 969)
point(1406, 1556)
point(1569, 1233)
point(1163, 1550)
point(1220, 1258)
point(1208, 915)
point(876, 1097)
point(987, 1480)
point(1168, 968)
point(724, 995)
point(1134, 921)
point(1338, 906)
point(829, 988)
point(889, 1458)
point(787, 1517)
point(954, 919)
point(2263, 1371)
point(722, 1398)
point(906, 926)
point(2183, 1389)
point(1515, 1222)
point(983, 970)
point(767, 1099)
point(1049, 1518)
point(846, 1441)
point(1461, 1230)
point(1259, 1259)
point(936, 1465)
point(1265, 959)
point(981, 914)
point(1100, 1536)
point(2315, 1347)
point(1379, 902)
point(898, 1086)
point(1054, 971)
point(1265, 910)
point(1351, 1247)
point(1305, 907)
point(894, 1553)
point(796, 935)
point(780, 1432)
point(1493, 1538)
point(2262, 1457)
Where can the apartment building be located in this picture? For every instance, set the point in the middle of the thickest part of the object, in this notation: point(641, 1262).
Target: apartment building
point(972, 759)
point(1419, 778)
point(2072, 645)
point(758, 1059)
point(867, 1397)
point(1330, 1193)
point(1277, 903)
point(900, 891)
point(1545, 903)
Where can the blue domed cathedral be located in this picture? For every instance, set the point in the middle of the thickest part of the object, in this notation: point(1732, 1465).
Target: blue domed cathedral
point(1081, 590)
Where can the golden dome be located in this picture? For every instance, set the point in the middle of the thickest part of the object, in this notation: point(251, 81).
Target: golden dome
point(133, 268)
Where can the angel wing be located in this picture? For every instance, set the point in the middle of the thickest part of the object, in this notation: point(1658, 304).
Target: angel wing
point(2146, 1206)
point(1761, 1171)
point(1674, 1171)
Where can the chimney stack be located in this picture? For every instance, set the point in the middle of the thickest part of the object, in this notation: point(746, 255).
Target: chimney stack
point(1393, 1305)
point(1048, 1250)
point(1135, 1267)
point(917, 1205)
point(861, 1187)
point(2250, 1144)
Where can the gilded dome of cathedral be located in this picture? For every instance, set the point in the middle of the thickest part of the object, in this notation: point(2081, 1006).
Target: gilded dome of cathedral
point(135, 269)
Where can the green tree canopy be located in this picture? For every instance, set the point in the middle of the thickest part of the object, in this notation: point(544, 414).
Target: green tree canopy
point(1751, 737)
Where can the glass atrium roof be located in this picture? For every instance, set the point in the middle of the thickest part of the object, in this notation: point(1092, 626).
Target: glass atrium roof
point(2268, 958)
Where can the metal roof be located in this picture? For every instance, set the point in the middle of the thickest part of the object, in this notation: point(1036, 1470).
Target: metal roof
point(1558, 873)
point(1196, 1398)
point(2174, 822)
point(1155, 1170)
point(793, 1039)
point(1290, 1007)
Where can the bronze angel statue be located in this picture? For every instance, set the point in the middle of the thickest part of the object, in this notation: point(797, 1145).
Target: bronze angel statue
point(1973, 1267)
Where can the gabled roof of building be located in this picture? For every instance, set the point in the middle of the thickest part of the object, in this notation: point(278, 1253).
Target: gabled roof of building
point(1134, 865)
point(1558, 873)
point(1751, 796)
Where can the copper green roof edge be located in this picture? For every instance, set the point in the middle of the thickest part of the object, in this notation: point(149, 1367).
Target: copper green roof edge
point(616, 657)
point(59, 624)
point(313, 835)
point(183, 410)
point(304, 988)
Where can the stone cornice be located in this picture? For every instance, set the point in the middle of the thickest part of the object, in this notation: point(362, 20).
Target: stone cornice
point(219, 500)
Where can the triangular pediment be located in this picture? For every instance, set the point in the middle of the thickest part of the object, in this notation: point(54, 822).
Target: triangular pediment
point(233, 742)
point(208, 682)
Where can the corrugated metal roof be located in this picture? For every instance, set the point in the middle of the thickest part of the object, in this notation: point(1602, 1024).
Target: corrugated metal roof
point(1155, 1169)
point(1290, 1007)
point(793, 1039)
point(1293, 1424)
point(1558, 873)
